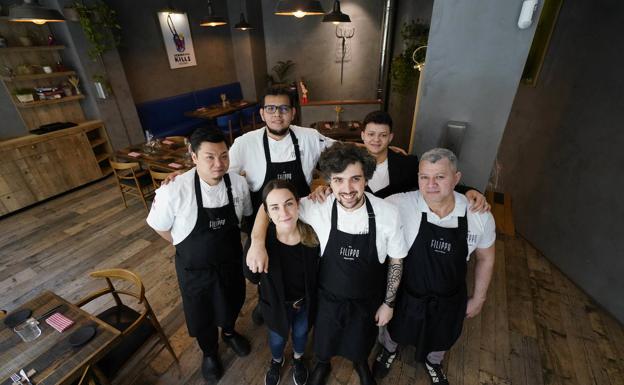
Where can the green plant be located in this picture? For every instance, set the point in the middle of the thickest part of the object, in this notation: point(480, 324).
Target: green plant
point(402, 72)
point(281, 70)
point(100, 26)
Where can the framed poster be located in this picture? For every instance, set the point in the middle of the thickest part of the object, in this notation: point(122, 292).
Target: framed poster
point(177, 37)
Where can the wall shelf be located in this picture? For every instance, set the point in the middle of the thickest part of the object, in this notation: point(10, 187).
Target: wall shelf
point(32, 48)
point(17, 78)
point(40, 103)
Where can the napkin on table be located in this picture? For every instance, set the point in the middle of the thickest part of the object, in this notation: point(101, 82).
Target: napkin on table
point(59, 322)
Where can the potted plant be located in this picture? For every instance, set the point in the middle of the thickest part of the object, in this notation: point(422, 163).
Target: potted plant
point(404, 75)
point(24, 95)
point(99, 23)
point(281, 70)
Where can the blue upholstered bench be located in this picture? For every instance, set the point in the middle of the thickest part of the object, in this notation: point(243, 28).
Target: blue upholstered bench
point(165, 117)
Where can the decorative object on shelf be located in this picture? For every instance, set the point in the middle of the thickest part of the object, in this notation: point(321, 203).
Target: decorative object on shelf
point(31, 11)
point(281, 70)
point(299, 8)
point(343, 34)
point(74, 81)
point(99, 23)
point(338, 110)
point(102, 87)
point(24, 95)
point(24, 69)
point(51, 40)
point(224, 101)
point(304, 92)
point(336, 16)
point(404, 75)
point(176, 34)
point(60, 67)
point(25, 41)
point(212, 20)
point(67, 89)
point(7, 71)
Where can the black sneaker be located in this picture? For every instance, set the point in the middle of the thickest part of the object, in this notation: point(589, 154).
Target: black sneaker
point(382, 363)
point(273, 374)
point(238, 343)
point(211, 369)
point(300, 371)
point(436, 375)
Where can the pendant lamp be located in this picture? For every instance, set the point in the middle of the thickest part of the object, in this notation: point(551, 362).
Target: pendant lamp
point(31, 11)
point(299, 8)
point(335, 16)
point(242, 25)
point(212, 20)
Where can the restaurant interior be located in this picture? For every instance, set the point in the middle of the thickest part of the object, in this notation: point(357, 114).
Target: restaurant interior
point(99, 98)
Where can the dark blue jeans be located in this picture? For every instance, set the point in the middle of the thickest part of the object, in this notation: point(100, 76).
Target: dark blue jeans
point(298, 321)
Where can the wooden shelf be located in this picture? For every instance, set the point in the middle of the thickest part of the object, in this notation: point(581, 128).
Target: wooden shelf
point(102, 157)
point(40, 103)
point(97, 142)
point(17, 78)
point(32, 48)
point(106, 170)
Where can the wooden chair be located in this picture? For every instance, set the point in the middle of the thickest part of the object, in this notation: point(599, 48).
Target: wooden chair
point(230, 125)
point(158, 176)
point(133, 181)
point(136, 327)
point(179, 139)
point(250, 118)
point(2, 314)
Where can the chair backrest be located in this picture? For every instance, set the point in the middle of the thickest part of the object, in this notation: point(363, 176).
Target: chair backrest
point(179, 139)
point(158, 176)
point(137, 291)
point(2, 314)
point(124, 170)
point(224, 121)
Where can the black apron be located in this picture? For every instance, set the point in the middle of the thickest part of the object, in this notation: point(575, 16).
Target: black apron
point(432, 298)
point(209, 266)
point(291, 171)
point(352, 287)
point(382, 193)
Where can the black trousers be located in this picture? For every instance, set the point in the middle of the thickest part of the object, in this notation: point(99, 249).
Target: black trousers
point(208, 339)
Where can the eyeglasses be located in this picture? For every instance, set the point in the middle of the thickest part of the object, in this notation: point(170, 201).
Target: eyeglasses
point(271, 109)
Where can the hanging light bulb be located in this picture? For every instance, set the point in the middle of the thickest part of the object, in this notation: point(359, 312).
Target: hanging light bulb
point(212, 20)
point(242, 25)
point(335, 16)
point(299, 8)
point(31, 11)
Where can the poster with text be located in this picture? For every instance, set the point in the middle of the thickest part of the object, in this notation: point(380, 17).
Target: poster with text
point(178, 42)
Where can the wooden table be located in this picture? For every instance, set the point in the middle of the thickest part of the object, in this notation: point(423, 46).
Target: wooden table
point(347, 131)
point(51, 355)
point(216, 110)
point(166, 153)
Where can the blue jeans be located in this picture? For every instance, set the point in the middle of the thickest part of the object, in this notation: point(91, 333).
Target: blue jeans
point(298, 321)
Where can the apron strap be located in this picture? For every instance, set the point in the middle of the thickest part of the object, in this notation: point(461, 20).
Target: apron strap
point(372, 231)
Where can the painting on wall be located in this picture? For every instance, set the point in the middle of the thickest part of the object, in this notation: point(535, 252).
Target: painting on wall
point(177, 37)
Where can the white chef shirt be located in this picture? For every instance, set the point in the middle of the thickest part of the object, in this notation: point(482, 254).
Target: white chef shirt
point(381, 178)
point(175, 208)
point(247, 153)
point(389, 232)
point(411, 205)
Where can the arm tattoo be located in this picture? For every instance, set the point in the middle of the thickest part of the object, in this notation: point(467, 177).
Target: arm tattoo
point(395, 270)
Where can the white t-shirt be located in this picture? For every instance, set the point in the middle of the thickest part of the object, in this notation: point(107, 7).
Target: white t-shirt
point(411, 205)
point(175, 208)
point(389, 232)
point(380, 178)
point(247, 153)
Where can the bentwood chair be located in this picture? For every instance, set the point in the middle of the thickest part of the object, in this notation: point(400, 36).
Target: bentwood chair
point(250, 118)
point(2, 314)
point(179, 139)
point(230, 125)
point(158, 176)
point(132, 180)
point(136, 326)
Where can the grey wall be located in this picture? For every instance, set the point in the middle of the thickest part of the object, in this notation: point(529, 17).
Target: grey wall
point(475, 58)
point(561, 154)
point(143, 52)
point(312, 45)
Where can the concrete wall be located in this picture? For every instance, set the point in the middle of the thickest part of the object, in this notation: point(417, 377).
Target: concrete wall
point(561, 154)
point(143, 51)
point(475, 58)
point(313, 46)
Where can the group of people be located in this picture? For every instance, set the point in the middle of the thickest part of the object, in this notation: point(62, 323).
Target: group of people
point(378, 254)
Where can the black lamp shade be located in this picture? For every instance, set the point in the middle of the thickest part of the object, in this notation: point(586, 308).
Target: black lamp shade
point(243, 25)
point(211, 20)
point(32, 12)
point(335, 16)
point(299, 8)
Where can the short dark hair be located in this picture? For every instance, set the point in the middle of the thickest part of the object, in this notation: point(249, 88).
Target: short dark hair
point(339, 156)
point(207, 133)
point(280, 91)
point(377, 117)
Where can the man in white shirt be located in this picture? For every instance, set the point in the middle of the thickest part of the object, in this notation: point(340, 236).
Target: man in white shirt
point(432, 301)
point(362, 248)
point(200, 213)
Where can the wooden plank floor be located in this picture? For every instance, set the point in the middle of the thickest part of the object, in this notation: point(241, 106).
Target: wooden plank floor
point(537, 327)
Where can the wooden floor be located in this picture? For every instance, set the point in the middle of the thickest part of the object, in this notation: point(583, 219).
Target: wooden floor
point(536, 327)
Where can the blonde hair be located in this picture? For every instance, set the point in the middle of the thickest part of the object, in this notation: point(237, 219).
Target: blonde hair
point(306, 232)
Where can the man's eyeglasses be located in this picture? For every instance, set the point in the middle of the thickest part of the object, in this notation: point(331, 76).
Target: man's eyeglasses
point(271, 109)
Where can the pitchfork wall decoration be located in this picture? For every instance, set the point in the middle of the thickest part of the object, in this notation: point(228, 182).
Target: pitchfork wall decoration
point(343, 33)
